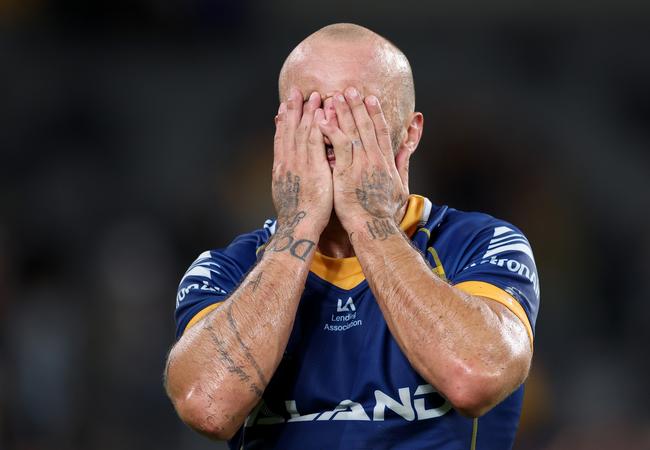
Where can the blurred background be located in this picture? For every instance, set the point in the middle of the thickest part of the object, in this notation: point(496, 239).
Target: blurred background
point(136, 134)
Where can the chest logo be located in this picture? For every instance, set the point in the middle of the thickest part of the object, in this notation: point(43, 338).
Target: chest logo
point(345, 317)
point(349, 306)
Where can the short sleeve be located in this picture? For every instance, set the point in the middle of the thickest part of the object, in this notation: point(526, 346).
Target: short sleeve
point(207, 282)
point(500, 265)
point(215, 275)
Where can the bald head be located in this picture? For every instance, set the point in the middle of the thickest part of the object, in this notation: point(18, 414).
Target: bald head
point(342, 55)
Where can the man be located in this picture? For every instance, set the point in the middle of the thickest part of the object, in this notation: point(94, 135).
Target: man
point(362, 318)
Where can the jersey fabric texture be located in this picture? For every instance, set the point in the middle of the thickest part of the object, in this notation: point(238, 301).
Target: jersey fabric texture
point(343, 382)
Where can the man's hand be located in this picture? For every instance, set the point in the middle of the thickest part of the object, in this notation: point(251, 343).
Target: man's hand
point(370, 191)
point(302, 180)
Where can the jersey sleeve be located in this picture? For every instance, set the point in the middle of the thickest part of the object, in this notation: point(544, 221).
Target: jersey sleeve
point(499, 264)
point(213, 276)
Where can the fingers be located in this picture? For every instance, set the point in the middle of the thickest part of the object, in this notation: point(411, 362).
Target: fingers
point(278, 150)
point(293, 116)
point(304, 128)
point(340, 141)
point(364, 124)
point(380, 126)
point(402, 162)
point(346, 119)
point(315, 143)
point(330, 111)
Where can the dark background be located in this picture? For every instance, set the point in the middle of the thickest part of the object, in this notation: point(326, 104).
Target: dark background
point(136, 134)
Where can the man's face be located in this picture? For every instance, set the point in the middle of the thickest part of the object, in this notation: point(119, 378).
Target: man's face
point(333, 65)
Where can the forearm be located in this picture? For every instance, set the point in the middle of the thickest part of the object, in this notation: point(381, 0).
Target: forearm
point(468, 347)
point(220, 367)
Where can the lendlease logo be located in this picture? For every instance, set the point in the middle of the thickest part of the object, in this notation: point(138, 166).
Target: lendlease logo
point(342, 322)
point(349, 305)
point(425, 403)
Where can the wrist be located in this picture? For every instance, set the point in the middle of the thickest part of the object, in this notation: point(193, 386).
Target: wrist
point(295, 236)
point(372, 228)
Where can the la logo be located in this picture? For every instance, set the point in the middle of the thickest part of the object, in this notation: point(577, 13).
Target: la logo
point(349, 305)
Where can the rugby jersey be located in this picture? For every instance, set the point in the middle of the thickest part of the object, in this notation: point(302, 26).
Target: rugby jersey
point(343, 381)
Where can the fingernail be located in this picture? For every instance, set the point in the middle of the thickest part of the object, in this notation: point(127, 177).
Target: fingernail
point(282, 108)
point(340, 98)
point(372, 100)
point(351, 92)
point(314, 95)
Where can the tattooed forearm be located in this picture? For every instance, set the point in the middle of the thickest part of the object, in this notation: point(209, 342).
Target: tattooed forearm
point(230, 364)
point(247, 352)
point(284, 239)
point(381, 228)
point(255, 281)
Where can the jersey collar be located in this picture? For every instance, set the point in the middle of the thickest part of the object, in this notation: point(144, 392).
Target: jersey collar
point(346, 273)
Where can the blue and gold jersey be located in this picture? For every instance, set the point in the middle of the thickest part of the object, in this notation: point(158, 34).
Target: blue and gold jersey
point(343, 381)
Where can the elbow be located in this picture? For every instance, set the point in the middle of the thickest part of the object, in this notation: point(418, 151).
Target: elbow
point(205, 416)
point(200, 406)
point(473, 393)
point(471, 401)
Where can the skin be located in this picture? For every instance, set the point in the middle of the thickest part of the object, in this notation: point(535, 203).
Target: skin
point(473, 350)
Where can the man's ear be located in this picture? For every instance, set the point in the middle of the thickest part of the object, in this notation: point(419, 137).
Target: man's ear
point(408, 146)
point(413, 132)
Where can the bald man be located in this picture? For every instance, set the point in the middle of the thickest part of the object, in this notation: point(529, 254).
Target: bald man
point(363, 317)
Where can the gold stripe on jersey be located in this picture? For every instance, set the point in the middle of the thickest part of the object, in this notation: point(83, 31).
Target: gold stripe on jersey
point(482, 289)
point(201, 314)
point(438, 269)
point(346, 273)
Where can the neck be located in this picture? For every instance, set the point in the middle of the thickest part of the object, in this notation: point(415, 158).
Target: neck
point(334, 240)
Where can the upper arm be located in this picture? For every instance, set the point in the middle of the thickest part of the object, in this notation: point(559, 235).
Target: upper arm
point(206, 283)
point(216, 274)
point(499, 265)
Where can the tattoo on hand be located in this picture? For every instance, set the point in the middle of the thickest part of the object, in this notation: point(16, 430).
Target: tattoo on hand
point(376, 193)
point(284, 239)
point(381, 229)
point(287, 192)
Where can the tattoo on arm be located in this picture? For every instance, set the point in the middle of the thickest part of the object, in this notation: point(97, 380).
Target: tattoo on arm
point(284, 239)
point(231, 365)
point(287, 198)
point(255, 281)
point(247, 352)
point(381, 229)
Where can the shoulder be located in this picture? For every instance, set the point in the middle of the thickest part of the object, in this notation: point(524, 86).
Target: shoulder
point(470, 227)
point(462, 237)
point(234, 259)
point(246, 246)
point(215, 274)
